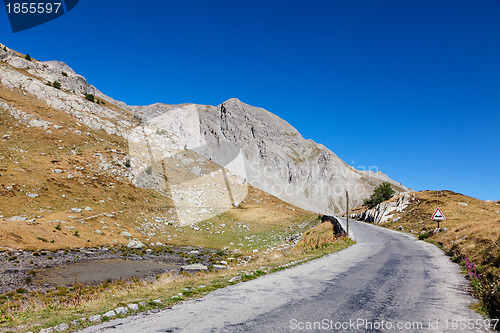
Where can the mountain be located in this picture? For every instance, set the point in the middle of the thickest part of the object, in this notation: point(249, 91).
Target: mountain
point(266, 152)
point(221, 149)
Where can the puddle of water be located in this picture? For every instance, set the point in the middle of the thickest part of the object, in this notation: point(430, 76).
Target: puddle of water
point(100, 270)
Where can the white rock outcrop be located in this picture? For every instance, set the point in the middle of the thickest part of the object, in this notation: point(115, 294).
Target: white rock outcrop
point(384, 211)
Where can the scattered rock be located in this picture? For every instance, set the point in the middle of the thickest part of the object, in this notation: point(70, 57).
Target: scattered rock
point(110, 314)
point(47, 330)
point(95, 318)
point(236, 278)
point(142, 303)
point(135, 244)
point(219, 267)
point(223, 262)
point(396, 219)
point(61, 327)
point(121, 310)
point(158, 301)
point(17, 219)
point(133, 307)
point(98, 231)
point(463, 204)
point(148, 251)
point(126, 234)
point(194, 252)
point(88, 209)
point(438, 230)
point(32, 195)
point(57, 171)
point(194, 268)
point(76, 210)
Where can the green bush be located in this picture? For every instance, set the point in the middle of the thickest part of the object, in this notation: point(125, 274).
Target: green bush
point(423, 236)
point(382, 193)
point(56, 84)
point(90, 97)
point(27, 57)
point(64, 74)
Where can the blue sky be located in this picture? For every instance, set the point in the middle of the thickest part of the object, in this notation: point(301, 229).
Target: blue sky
point(411, 87)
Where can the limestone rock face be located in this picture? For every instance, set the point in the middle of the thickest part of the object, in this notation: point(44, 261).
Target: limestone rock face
point(384, 211)
point(268, 153)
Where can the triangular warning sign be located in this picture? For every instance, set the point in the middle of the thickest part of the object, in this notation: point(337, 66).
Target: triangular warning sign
point(438, 215)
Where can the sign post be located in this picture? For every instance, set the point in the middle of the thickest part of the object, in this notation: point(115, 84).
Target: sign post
point(438, 214)
point(347, 214)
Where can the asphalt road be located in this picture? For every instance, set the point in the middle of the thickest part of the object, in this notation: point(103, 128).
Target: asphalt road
point(388, 281)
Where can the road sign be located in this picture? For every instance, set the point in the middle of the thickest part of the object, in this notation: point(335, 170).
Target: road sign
point(438, 215)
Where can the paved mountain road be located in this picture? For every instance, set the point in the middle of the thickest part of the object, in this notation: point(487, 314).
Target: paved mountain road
point(388, 281)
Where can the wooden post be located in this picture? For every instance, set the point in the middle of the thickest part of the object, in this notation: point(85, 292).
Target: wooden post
point(347, 214)
point(438, 203)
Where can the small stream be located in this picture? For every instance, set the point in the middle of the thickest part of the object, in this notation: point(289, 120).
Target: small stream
point(101, 270)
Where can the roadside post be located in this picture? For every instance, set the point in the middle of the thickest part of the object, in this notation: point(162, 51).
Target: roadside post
point(347, 214)
point(438, 214)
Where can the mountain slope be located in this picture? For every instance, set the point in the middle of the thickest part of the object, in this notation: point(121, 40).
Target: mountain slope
point(270, 154)
point(254, 146)
point(66, 178)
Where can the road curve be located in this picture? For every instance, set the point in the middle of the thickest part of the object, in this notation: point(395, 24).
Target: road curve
point(387, 281)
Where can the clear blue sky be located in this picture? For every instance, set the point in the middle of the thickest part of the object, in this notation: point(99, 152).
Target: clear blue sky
point(412, 87)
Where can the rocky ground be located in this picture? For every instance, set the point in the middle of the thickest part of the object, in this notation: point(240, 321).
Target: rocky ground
point(18, 269)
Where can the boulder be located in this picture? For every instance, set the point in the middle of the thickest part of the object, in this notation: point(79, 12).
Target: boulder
point(135, 244)
point(121, 310)
point(194, 268)
point(133, 307)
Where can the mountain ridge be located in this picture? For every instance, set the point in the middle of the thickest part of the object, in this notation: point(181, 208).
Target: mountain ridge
point(299, 171)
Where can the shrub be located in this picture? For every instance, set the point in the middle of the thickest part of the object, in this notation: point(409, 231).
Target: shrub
point(423, 236)
point(90, 97)
point(64, 74)
point(76, 233)
point(27, 57)
point(56, 84)
point(58, 226)
point(382, 193)
point(149, 170)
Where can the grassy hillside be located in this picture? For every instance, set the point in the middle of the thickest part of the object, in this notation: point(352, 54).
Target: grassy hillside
point(47, 175)
point(472, 238)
